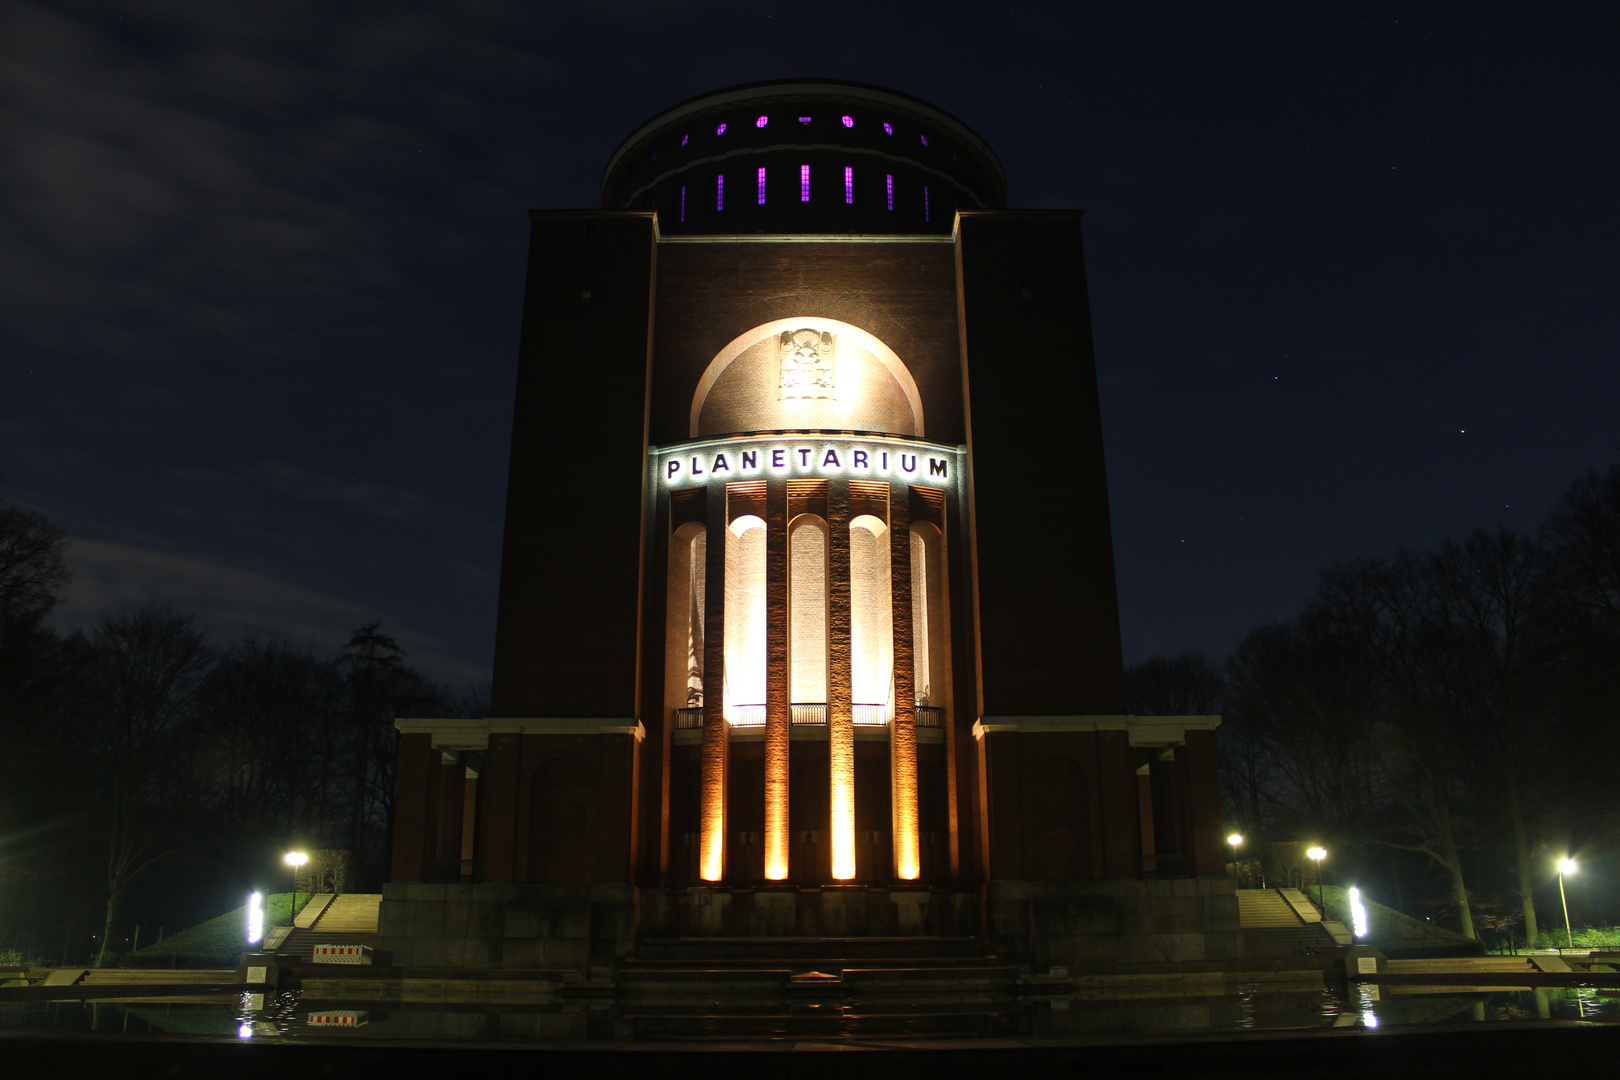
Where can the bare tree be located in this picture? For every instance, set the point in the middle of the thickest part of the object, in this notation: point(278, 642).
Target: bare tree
point(141, 685)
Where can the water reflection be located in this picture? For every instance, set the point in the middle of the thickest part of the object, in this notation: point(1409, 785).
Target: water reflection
point(1245, 1008)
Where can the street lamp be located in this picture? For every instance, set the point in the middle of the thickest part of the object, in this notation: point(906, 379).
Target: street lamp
point(294, 859)
point(1235, 839)
point(1565, 866)
point(1317, 854)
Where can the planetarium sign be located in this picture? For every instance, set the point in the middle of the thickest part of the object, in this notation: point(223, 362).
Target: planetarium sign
point(815, 456)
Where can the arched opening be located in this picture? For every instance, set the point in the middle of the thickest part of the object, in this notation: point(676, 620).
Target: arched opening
point(683, 621)
point(871, 621)
point(745, 622)
point(807, 609)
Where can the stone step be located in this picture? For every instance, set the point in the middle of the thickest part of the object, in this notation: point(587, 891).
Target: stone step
point(350, 913)
point(301, 943)
point(797, 950)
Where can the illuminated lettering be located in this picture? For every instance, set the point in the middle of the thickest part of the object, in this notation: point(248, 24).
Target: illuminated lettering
point(908, 468)
point(885, 457)
point(831, 459)
point(804, 457)
point(674, 467)
point(828, 456)
point(750, 459)
point(720, 464)
point(695, 470)
point(857, 458)
point(778, 459)
point(936, 467)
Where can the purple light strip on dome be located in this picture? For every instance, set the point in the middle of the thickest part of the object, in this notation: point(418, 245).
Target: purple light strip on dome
point(888, 182)
point(888, 128)
point(683, 202)
point(804, 119)
point(762, 187)
point(720, 191)
point(849, 184)
point(804, 183)
point(849, 121)
point(925, 202)
point(762, 121)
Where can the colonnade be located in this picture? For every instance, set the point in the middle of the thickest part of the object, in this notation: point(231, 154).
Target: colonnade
point(784, 595)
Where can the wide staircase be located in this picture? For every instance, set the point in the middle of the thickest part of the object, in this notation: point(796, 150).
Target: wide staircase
point(1272, 926)
point(346, 919)
point(746, 987)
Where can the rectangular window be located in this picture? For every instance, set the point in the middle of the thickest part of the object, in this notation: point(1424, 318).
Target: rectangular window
point(804, 183)
point(720, 191)
point(762, 187)
point(888, 182)
point(849, 184)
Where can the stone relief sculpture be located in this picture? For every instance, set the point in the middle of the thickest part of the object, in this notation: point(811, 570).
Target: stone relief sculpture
point(807, 364)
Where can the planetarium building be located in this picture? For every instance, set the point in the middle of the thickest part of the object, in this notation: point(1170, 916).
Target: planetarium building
point(807, 626)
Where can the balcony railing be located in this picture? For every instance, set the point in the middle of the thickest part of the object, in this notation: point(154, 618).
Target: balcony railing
point(807, 712)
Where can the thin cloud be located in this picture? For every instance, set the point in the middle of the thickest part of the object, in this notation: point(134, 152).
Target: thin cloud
point(113, 578)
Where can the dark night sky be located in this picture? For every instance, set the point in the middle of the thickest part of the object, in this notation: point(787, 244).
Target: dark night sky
point(1353, 274)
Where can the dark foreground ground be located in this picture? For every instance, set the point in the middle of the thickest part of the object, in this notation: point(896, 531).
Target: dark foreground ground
point(1524, 1049)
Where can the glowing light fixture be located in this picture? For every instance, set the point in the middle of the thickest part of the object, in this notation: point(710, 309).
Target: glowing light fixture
point(888, 183)
point(255, 919)
point(762, 121)
point(804, 119)
point(294, 859)
point(924, 139)
point(1316, 855)
point(720, 189)
point(903, 770)
point(841, 768)
point(848, 121)
point(1234, 840)
point(804, 183)
point(1358, 913)
point(849, 185)
point(684, 138)
point(762, 187)
point(888, 129)
point(721, 130)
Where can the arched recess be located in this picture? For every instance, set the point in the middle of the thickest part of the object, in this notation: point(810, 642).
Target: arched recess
point(929, 599)
point(683, 619)
point(871, 614)
point(745, 614)
point(846, 334)
point(1058, 844)
point(562, 823)
point(807, 609)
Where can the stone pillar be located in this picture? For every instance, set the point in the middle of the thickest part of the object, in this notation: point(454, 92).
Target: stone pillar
point(1169, 834)
point(777, 682)
point(1201, 785)
point(497, 840)
point(840, 700)
point(903, 729)
point(712, 838)
point(1121, 816)
point(416, 756)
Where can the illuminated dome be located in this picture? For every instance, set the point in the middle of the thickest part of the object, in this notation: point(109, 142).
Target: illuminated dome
point(804, 156)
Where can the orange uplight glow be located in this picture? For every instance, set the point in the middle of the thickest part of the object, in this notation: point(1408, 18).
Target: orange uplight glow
point(903, 766)
point(712, 838)
point(841, 766)
point(776, 797)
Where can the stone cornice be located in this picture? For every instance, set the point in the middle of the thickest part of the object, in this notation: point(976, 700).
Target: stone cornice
point(1143, 730)
point(472, 733)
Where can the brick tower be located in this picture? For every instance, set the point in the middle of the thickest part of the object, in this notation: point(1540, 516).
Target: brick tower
point(807, 620)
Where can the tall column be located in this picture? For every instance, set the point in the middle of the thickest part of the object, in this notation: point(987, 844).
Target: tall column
point(416, 756)
point(840, 701)
point(903, 729)
point(712, 838)
point(777, 681)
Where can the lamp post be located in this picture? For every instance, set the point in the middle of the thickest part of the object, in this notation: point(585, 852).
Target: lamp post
point(1317, 854)
point(294, 859)
point(1235, 839)
point(1565, 866)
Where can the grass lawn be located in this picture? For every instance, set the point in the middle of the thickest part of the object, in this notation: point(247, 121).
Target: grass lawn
point(215, 943)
